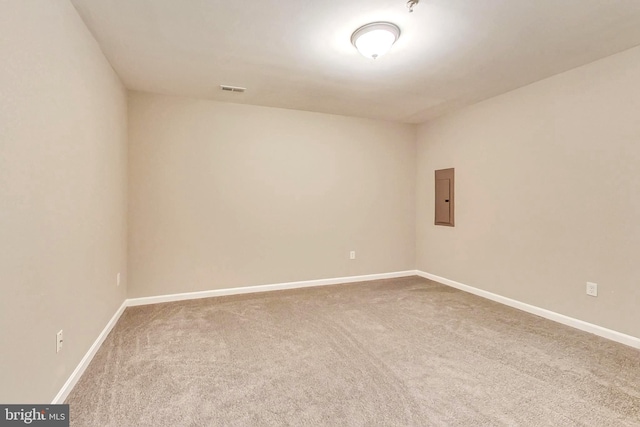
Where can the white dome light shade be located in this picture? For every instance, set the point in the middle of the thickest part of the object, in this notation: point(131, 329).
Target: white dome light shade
point(375, 39)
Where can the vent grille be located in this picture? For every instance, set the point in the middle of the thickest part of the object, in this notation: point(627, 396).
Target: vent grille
point(227, 88)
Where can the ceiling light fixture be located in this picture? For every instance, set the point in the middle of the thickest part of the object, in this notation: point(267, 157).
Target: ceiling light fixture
point(375, 39)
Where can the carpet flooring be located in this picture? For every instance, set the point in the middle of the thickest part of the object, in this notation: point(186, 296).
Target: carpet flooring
point(398, 352)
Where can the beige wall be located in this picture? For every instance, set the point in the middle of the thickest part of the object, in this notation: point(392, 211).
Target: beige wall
point(227, 195)
point(547, 193)
point(62, 195)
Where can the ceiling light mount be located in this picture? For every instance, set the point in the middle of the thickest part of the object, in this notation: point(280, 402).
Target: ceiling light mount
point(375, 39)
point(411, 4)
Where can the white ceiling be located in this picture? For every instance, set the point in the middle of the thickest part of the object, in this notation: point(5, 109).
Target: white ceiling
point(297, 54)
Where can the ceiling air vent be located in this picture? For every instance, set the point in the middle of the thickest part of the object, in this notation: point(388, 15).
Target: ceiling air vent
point(232, 88)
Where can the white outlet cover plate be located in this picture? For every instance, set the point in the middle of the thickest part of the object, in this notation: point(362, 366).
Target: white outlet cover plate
point(592, 289)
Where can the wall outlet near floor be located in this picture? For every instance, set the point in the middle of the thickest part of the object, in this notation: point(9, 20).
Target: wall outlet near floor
point(592, 289)
point(59, 339)
point(118, 279)
point(352, 255)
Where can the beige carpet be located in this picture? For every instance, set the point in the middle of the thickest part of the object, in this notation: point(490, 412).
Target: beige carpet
point(386, 353)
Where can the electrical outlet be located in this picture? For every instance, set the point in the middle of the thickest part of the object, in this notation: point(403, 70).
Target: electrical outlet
point(118, 279)
point(352, 255)
point(592, 289)
point(59, 339)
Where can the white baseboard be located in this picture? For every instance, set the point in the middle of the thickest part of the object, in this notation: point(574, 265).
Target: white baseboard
point(265, 288)
point(84, 363)
point(547, 314)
